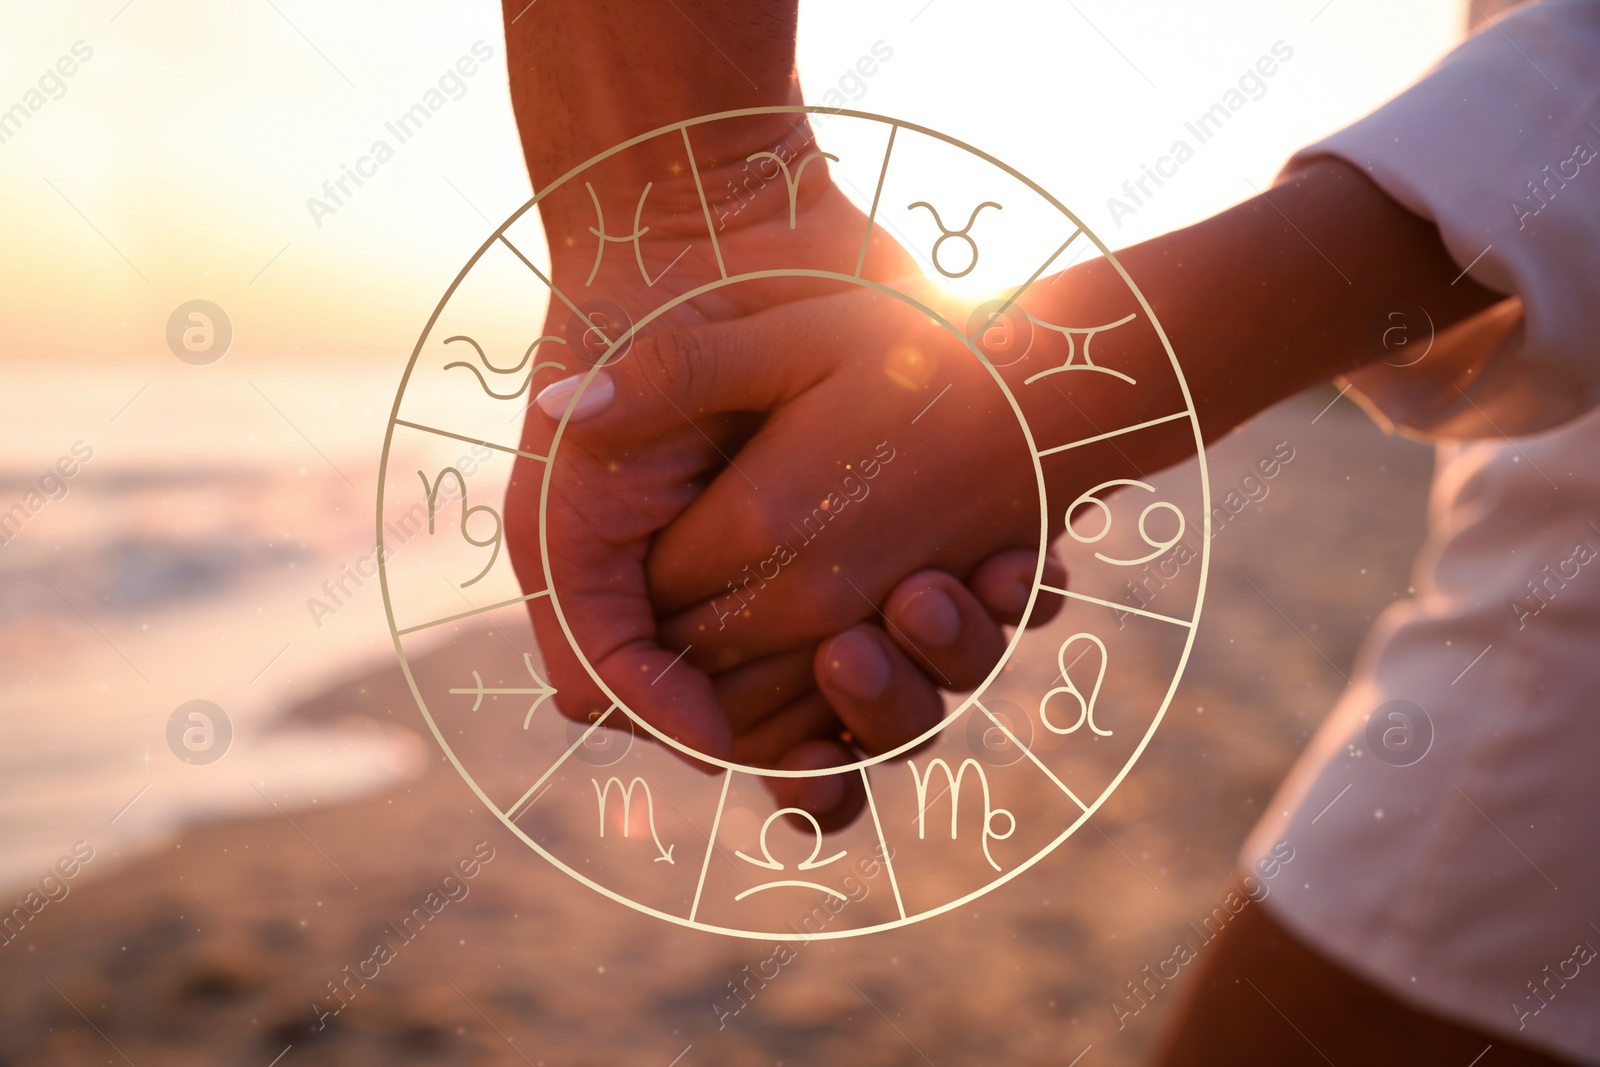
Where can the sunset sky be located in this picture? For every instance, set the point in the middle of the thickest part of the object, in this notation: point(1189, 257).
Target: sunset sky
point(177, 160)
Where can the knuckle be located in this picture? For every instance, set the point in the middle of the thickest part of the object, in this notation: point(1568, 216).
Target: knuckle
point(827, 608)
point(667, 360)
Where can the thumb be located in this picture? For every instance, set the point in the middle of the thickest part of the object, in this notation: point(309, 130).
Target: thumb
point(755, 363)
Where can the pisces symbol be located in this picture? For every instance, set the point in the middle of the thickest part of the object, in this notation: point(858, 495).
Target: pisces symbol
point(599, 230)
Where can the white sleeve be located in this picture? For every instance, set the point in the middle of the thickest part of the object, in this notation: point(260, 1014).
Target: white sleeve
point(1500, 146)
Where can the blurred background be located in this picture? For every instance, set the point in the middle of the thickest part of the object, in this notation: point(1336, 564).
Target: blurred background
point(210, 501)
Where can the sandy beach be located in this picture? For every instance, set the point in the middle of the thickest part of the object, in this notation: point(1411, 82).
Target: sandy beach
point(224, 946)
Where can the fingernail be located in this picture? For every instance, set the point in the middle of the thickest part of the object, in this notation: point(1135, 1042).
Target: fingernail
point(857, 666)
point(931, 618)
point(554, 398)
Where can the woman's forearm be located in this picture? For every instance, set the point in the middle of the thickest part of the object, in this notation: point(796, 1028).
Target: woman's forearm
point(1259, 302)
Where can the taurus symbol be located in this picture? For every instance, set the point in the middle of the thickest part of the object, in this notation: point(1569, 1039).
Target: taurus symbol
point(792, 181)
point(602, 795)
point(1085, 706)
point(961, 234)
point(810, 863)
point(484, 359)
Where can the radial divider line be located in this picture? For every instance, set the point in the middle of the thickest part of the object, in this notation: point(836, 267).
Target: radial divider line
point(694, 168)
point(1114, 606)
point(711, 844)
point(525, 801)
point(1037, 762)
point(872, 216)
point(475, 611)
point(537, 273)
point(1014, 297)
point(471, 440)
point(1114, 433)
point(872, 805)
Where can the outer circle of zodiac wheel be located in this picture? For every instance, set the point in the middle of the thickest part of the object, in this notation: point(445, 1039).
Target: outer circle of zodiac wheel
point(1014, 768)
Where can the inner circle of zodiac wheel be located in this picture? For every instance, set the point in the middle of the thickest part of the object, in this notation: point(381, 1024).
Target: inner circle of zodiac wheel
point(1015, 767)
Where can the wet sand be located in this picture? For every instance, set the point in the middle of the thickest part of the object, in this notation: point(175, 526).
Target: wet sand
point(214, 950)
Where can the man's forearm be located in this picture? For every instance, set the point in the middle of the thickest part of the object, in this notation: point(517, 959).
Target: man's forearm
point(589, 75)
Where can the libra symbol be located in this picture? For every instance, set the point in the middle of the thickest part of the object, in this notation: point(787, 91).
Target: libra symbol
point(543, 691)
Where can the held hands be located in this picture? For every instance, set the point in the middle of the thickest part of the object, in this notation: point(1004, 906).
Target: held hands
point(886, 453)
point(613, 491)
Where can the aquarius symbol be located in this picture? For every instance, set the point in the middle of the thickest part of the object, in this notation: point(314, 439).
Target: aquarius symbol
point(810, 863)
point(432, 491)
point(599, 230)
point(1088, 334)
point(543, 691)
point(961, 234)
point(792, 182)
point(536, 368)
point(954, 789)
point(602, 795)
point(1085, 707)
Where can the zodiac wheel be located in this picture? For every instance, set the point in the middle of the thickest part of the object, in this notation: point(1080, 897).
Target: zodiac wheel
point(1015, 767)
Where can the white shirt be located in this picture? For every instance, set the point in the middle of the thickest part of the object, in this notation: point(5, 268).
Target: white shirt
point(1467, 882)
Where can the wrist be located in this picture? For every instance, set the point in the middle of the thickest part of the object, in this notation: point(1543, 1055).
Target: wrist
point(588, 76)
point(726, 177)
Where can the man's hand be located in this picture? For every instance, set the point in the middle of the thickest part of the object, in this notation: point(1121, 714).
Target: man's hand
point(602, 513)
